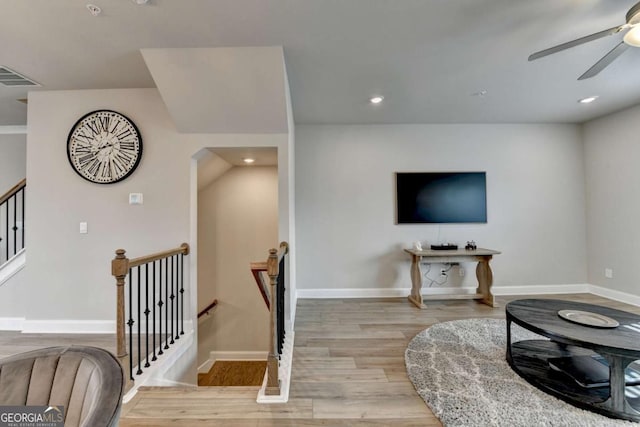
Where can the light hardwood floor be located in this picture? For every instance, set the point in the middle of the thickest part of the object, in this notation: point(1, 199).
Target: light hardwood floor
point(348, 370)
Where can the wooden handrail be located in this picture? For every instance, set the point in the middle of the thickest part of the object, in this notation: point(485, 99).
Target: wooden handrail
point(183, 249)
point(256, 269)
point(208, 308)
point(13, 190)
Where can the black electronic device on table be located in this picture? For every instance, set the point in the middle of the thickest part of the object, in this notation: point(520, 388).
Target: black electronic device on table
point(446, 247)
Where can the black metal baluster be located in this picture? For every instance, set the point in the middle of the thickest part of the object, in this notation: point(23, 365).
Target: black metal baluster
point(146, 312)
point(1, 257)
point(153, 306)
point(15, 223)
point(182, 294)
point(177, 279)
point(160, 304)
point(139, 346)
point(173, 297)
point(22, 215)
point(280, 305)
point(130, 322)
point(166, 299)
point(6, 228)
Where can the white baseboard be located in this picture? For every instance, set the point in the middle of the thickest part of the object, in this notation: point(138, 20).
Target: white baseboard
point(352, 293)
point(11, 323)
point(541, 289)
point(231, 355)
point(615, 295)
point(238, 355)
point(205, 367)
point(69, 327)
point(403, 292)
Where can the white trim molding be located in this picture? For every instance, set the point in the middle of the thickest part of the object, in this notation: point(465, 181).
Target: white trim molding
point(69, 326)
point(238, 355)
point(403, 292)
point(579, 288)
point(231, 355)
point(284, 373)
point(615, 295)
point(11, 323)
point(153, 375)
point(13, 265)
point(13, 130)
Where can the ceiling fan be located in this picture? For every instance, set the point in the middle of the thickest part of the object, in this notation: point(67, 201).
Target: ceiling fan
point(631, 38)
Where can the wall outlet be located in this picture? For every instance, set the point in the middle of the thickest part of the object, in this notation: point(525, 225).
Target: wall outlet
point(443, 272)
point(461, 271)
point(608, 273)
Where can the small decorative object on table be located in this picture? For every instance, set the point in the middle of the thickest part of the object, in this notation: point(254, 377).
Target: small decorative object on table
point(471, 246)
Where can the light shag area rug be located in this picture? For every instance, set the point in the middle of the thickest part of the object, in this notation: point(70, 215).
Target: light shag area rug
point(460, 371)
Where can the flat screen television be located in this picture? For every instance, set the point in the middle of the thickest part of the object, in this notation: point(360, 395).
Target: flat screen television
point(441, 197)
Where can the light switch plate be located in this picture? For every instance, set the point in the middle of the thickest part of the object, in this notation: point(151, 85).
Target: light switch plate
point(84, 228)
point(135, 198)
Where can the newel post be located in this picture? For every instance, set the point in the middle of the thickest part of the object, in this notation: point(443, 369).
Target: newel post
point(273, 384)
point(120, 269)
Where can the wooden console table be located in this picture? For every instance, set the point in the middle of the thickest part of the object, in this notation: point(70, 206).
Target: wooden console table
point(429, 256)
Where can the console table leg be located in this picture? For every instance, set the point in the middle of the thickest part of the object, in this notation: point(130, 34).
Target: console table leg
point(485, 280)
point(416, 283)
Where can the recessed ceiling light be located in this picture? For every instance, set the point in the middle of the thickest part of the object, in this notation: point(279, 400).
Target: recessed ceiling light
point(248, 160)
point(140, 1)
point(588, 100)
point(93, 9)
point(376, 99)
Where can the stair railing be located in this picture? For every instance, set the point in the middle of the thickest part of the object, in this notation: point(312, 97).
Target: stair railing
point(275, 269)
point(155, 285)
point(12, 220)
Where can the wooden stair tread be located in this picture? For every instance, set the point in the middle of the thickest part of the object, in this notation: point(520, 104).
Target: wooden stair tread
point(234, 373)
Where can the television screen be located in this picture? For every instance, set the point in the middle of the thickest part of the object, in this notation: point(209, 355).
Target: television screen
point(441, 197)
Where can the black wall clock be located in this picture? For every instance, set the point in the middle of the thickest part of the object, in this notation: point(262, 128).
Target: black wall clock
point(104, 147)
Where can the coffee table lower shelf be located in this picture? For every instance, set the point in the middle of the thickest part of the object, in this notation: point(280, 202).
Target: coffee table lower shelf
point(529, 360)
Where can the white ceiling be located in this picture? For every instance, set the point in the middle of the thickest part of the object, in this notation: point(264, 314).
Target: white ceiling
point(427, 57)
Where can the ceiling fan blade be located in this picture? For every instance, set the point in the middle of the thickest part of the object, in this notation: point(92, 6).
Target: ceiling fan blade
point(577, 42)
point(605, 61)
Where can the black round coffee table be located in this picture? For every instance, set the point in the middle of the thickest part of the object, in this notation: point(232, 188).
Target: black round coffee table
point(619, 346)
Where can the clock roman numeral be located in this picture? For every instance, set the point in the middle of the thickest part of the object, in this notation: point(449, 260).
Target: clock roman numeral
point(124, 157)
point(81, 149)
point(128, 145)
point(93, 126)
point(83, 161)
point(125, 133)
point(104, 123)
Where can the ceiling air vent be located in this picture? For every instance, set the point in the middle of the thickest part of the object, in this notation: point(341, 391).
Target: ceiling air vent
point(9, 77)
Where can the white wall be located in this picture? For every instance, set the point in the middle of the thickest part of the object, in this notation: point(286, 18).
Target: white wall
point(13, 160)
point(67, 275)
point(612, 156)
point(345, 200)
point(238, 224)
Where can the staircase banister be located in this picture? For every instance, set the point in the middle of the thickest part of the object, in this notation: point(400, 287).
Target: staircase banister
point(6, 196)
point(183, 249)
point(208, 308)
